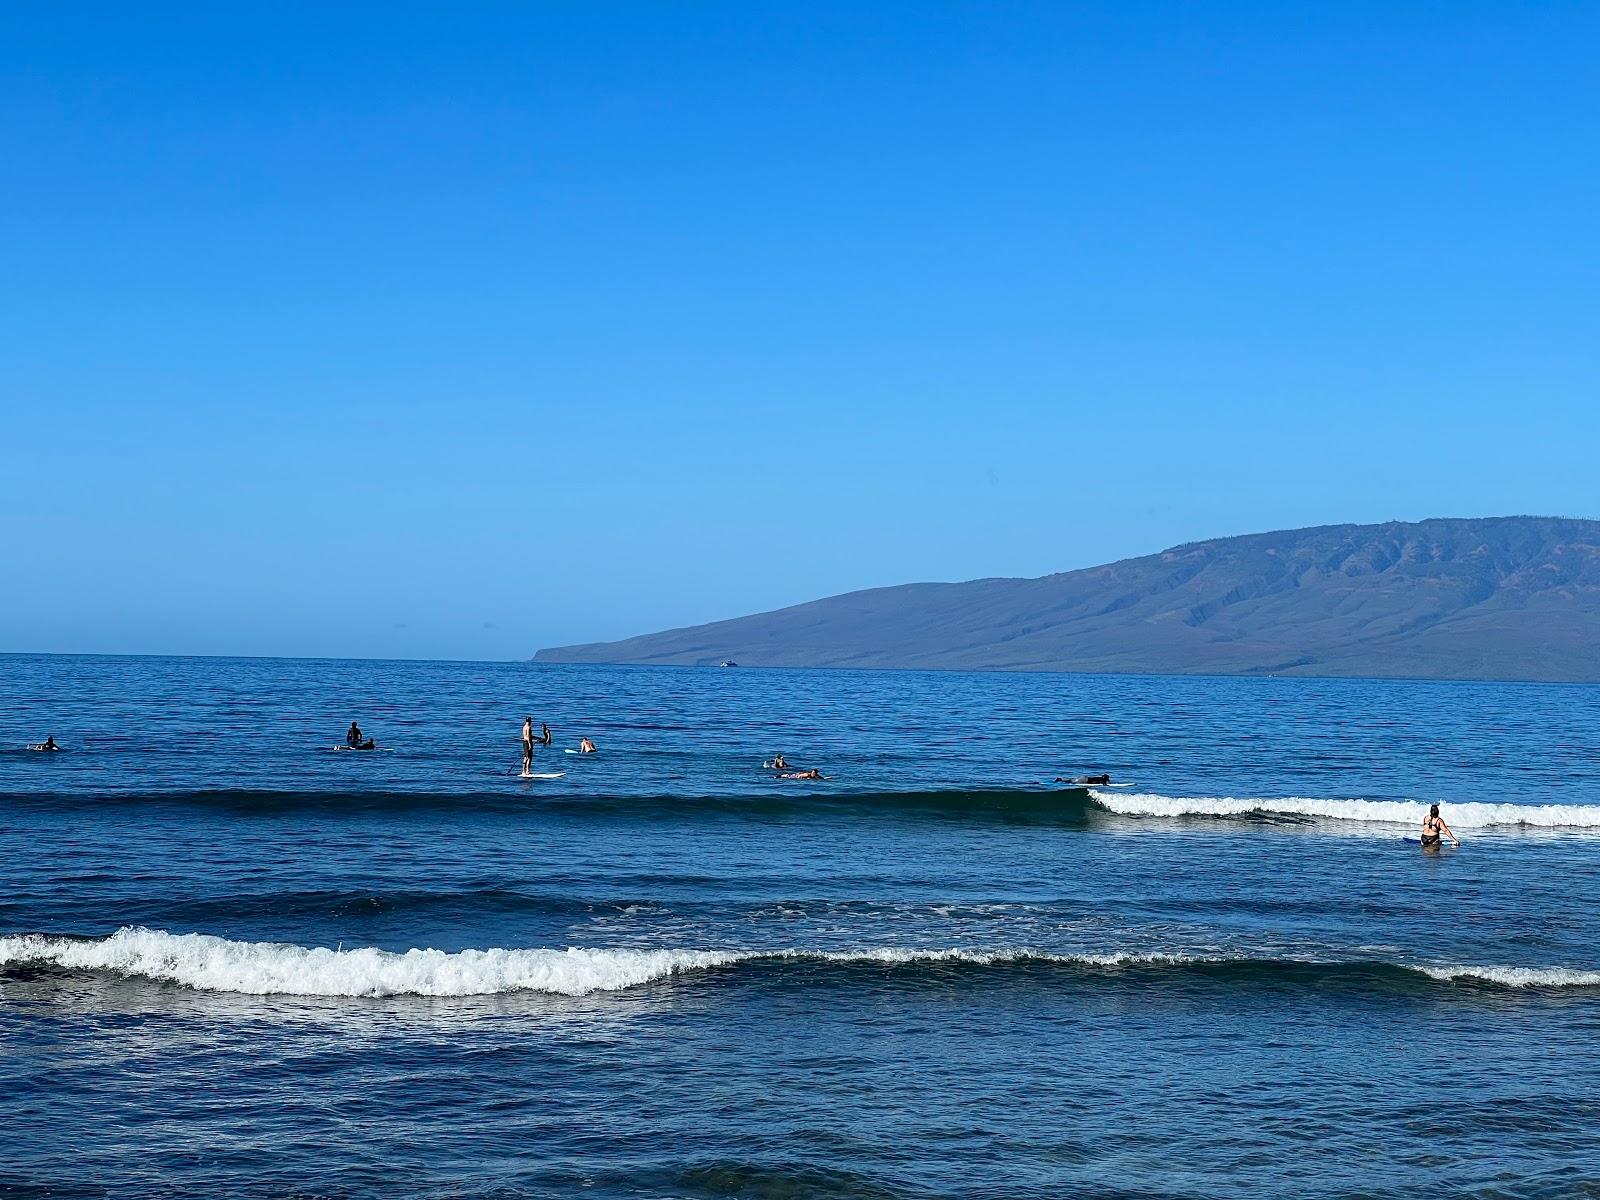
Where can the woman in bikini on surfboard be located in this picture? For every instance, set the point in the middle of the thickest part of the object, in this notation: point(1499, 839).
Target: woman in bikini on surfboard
point(1432, 827)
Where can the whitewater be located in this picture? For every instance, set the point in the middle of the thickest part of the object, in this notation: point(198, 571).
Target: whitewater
point(210, 963)
point(1469, 815)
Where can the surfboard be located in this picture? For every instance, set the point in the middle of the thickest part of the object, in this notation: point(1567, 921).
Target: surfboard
point(541, 774)
point(362, 749)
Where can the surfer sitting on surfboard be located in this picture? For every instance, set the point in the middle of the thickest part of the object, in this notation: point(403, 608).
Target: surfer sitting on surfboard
point(777, 763)
point(357, 741)
point(49, 743)
point(1432, 826)
point(585, 746)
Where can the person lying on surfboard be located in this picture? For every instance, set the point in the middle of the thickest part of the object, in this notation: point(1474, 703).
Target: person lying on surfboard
point(813, 773)
point(1087, 780)
point(1432, 826)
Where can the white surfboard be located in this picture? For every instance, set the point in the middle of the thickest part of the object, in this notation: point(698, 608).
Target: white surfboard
point(541, 775)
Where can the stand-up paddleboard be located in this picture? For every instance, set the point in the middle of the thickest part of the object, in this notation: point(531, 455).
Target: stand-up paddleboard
point(541, 774)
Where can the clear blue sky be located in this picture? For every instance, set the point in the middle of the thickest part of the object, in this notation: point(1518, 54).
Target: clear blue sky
point(457, 331)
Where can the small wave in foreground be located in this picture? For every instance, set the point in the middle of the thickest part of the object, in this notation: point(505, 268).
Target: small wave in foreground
point(1382, 812)
point(209, 963)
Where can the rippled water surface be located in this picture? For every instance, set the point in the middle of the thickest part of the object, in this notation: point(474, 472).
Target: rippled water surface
point(234, 960)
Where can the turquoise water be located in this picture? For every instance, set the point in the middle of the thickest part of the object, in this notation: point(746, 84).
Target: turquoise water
point(239, 961)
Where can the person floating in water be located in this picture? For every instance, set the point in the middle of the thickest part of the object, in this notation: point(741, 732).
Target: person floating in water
point(527, 745)
point(545, 737)
point(356, 740)
point(585, 746)
point(1432, 827)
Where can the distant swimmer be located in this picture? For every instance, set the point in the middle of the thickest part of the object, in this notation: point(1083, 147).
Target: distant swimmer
point(49, 743)
point(811, 774)
point(1432, 826)
point(1087, 780)
point(779, 763)
point(545, 737)
point(585, 746)
point(527, 745)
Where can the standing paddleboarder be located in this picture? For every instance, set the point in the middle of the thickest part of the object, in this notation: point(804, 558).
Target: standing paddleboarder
point(527, 745)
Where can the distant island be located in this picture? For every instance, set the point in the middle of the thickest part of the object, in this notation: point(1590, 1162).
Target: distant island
point(1510, 598)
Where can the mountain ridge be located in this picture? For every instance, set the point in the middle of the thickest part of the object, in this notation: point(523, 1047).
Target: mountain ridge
point(1515, 598)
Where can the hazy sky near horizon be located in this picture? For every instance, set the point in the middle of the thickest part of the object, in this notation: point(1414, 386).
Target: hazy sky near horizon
point(447, 331)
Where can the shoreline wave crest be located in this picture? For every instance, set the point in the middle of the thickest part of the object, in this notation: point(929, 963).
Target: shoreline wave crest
point(209, 963)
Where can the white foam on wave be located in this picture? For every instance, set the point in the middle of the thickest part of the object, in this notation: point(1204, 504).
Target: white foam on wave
point(216, 964)
point(1517, 977)
point(209, 963)
point(1383, 812)
point(895, 955)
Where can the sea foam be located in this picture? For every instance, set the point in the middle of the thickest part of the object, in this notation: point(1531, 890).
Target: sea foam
point(1385, 812)
point(209, 963)
point(272, 968)
point(1517, 977)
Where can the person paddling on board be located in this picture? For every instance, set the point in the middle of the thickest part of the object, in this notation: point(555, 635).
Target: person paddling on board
point(1432, 826)
point(585, 746)
point(527, 745)
point(813, 773)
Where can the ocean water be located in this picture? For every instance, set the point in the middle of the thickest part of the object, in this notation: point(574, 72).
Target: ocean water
point(234, 961)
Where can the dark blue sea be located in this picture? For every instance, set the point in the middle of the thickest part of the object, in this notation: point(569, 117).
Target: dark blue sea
point(238, 962)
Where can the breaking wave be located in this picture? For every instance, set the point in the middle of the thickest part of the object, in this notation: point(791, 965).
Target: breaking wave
point(210, 963)
point(1383, 812)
